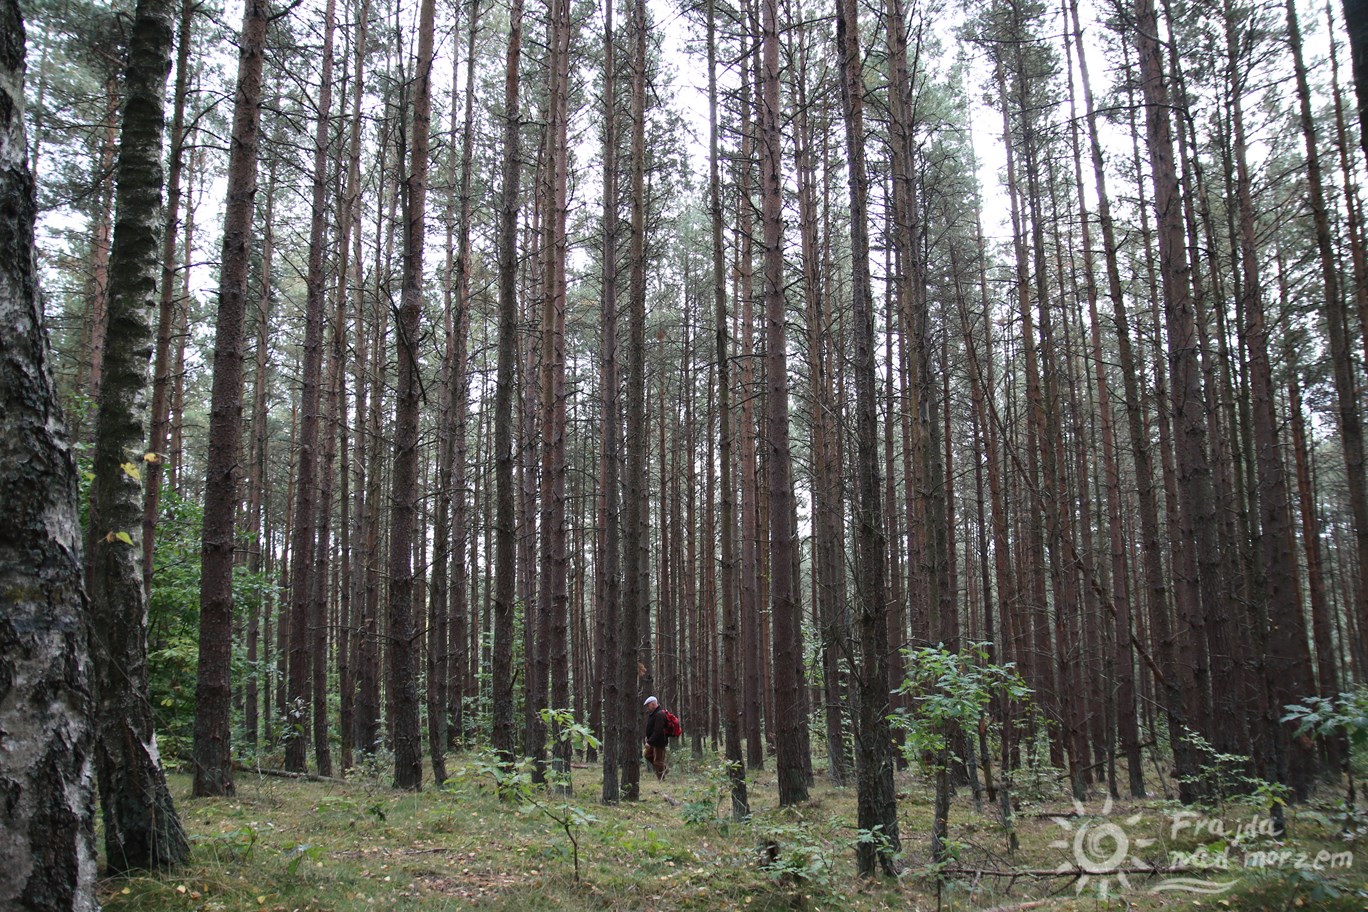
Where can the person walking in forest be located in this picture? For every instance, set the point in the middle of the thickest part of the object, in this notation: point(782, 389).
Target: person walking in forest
point(657, 735)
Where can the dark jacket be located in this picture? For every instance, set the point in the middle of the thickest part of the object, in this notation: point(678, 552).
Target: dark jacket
point(655, 728)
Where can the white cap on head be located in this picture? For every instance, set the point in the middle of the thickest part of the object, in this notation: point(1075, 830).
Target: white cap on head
point(649, 701)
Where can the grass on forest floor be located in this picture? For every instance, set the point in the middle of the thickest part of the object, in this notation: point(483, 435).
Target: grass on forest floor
point(285, 845)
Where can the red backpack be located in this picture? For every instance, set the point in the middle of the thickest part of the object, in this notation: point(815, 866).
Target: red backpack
point(672, 727)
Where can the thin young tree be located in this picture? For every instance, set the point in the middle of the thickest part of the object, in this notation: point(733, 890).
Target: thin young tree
point(460, 662)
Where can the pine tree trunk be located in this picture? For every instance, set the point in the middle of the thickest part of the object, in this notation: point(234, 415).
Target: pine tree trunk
point(212, 754)
point(1194, 472)
point(619, 708)
point(635, 633)
point(403, 640)
point(876, 800)
point(349, 270)
point(827, 584)
point(505, 535)
point(1356, 23)
point(257, 463)
point(98, 314)
point(1124, 659)
point(460, 658)
point(302, 546)
point(555, 567)
point(731, 669)
point(790, 716)
point(749, 598)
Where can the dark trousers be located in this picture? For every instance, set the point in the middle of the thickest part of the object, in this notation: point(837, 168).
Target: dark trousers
point(656, 757)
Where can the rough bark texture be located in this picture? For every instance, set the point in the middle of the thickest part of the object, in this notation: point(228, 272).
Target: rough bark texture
point(47, 774)
point(141, 829)
point(505, 560)
point(730, 671)
point(617, 707)
point(403, 642)
point(161, 372)
point(555, 568)
point(1356, 23)
point(212, 754)
point(1192, 590)
point(306, 455)
point(793, 756)
point(634, 633)
point(876, 802)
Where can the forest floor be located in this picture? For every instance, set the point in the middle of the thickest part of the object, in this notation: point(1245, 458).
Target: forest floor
point(285, 845)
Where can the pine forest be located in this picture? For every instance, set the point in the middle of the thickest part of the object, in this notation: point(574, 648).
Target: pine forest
point(951, 411)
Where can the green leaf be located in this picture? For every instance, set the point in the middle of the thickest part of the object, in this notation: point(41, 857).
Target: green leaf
point(132, 471)
point(124, 537)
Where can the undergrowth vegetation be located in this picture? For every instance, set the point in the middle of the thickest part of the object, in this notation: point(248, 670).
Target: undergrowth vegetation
point(283, 845)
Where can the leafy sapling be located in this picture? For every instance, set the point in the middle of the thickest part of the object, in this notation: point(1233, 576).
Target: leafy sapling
point(951, 692)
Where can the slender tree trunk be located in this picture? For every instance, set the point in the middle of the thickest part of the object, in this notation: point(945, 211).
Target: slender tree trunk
point(790, 717)
point(1196, 519)
point(403, 640)
point(826, 587)
point(618, 705)
point(257, 461)
point(505, 534)
point(876, 802)
point(555, 560)
point(1124, 659)
point(1322, 623)
point(749, 597)
point(349, 271)
point(161, 372)
point(730, 671)
point(460, 656)
point(635, 633)
point(212, 755)
point(98, 319)
point(1337, 320)
point(302, 547)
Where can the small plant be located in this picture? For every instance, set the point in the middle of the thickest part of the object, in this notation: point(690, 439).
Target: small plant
point(297, 853)
point(698, 813)
point(950, 692)
point(791, 855)
point(1224, 778)
point(513, 781)
point(237, 845)
point(1345, 716)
